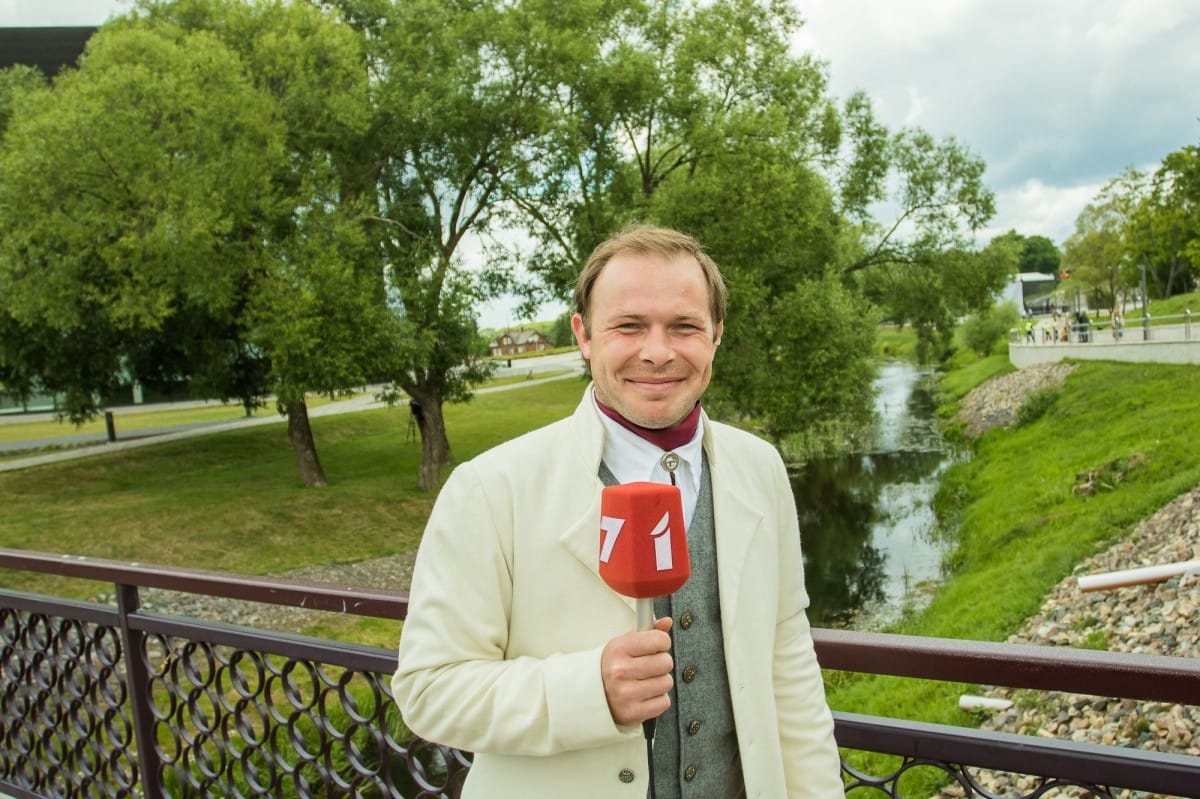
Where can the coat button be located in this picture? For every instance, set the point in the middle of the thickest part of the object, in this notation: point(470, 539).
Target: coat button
point(693, 728)
point(689, 673)
point(689, 773)
point(685, 621)
point(626, 775)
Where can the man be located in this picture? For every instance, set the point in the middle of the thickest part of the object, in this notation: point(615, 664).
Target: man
point(516, 650)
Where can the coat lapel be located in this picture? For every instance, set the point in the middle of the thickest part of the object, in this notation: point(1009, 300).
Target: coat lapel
point(582, 539)
point(738, 521)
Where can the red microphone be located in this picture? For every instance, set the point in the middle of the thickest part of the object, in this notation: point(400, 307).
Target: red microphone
point(643, 543)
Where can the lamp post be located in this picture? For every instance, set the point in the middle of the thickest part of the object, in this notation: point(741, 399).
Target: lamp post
point(1145, 311)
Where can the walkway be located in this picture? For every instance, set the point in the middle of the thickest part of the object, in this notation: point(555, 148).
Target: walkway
point(86, 445)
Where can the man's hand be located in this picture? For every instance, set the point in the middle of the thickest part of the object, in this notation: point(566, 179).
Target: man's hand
point(636, 669)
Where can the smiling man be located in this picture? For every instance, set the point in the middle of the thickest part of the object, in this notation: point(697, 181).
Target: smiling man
point(515, 649)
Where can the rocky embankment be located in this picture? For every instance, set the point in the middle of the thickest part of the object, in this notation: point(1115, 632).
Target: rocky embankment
point(1160, 619)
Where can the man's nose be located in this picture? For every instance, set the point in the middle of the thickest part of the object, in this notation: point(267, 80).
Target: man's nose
point(657, 347)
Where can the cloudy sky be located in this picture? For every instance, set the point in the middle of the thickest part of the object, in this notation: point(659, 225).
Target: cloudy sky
point(1057, 96)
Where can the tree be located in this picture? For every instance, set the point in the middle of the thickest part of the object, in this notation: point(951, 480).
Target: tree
point(119, 197)
point(184, 181)
point(647, 98)
point(1098, 253)
point(1165, 227)
point(1041, 255)
point(458, 97)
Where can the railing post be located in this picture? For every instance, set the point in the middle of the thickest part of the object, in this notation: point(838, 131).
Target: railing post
point(137, 684)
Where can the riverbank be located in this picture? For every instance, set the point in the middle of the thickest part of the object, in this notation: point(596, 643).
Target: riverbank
point(1159, 619)
point(1065, 466)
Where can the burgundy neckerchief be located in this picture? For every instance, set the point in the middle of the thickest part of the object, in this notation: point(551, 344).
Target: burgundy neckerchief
point(667, 438)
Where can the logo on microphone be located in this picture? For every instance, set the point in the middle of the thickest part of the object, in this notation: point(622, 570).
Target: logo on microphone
point(611, 528)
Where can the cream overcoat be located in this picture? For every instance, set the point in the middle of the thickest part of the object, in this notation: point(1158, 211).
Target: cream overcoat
point(500, 653)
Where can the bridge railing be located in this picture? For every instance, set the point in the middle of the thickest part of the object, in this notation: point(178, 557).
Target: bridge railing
point(1102, 330)
point(101, 699)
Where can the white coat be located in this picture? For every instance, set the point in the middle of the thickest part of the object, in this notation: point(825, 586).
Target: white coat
point(500, 653)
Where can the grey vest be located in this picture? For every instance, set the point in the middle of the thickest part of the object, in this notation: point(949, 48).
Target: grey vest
point(695, 743)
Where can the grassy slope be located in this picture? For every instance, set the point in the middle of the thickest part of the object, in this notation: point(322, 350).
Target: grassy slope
point(1022, 529)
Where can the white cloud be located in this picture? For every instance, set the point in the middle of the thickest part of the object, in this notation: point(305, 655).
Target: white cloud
point(51, 13)
point(1057, 97)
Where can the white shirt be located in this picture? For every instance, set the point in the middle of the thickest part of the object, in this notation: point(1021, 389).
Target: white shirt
point(632, 458)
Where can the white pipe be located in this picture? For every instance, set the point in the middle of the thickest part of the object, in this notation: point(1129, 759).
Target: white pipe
point(1146, 574)
point(972, 702)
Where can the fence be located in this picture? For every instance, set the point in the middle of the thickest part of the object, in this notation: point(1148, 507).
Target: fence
point(117, 701)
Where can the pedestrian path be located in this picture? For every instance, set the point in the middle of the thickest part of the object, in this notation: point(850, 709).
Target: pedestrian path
point(87, 445)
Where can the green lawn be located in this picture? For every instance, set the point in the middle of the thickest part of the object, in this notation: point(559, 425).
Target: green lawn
point(234, 501)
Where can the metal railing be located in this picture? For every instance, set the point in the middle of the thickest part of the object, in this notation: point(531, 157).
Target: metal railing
point(99, 701)
point(1102, 330)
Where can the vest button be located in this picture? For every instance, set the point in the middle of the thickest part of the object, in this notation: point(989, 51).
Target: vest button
point(693, 728)
point(685, 621)
point(689, 773)
point(626, 775)
point(689, 673)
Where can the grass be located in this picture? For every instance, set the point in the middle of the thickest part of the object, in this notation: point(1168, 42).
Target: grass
point(234, 501)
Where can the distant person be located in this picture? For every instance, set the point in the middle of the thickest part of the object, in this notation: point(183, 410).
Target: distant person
point(418, 415)
point(1118, 323)
point(516, 650)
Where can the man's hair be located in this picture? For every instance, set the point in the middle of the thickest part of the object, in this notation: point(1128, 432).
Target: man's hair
point(650, 240)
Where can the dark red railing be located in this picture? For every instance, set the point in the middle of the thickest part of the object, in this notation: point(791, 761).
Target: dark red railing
point(98, 700)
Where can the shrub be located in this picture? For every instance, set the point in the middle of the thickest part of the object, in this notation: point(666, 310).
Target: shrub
point(982, 331)
point(1036, 405)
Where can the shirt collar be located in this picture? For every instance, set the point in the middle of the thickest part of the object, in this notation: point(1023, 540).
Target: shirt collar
point(631, 458)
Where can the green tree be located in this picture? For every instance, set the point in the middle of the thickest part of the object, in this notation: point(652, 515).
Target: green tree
point(458, 96)
point(649, 97)
point(1040, 254)
point(1099, 252)
point(183, 182)
point(121, 195)
point(1165, 227)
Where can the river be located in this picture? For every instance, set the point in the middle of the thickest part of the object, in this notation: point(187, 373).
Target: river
point(871, 546)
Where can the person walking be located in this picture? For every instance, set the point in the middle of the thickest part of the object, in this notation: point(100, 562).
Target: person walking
point(516, 650)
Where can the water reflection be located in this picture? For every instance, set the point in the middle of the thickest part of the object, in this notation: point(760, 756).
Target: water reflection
point(866, 518)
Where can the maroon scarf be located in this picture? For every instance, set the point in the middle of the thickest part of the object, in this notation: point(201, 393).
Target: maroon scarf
point(667, 438)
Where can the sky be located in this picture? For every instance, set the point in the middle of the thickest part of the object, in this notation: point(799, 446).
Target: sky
point(1056, 96)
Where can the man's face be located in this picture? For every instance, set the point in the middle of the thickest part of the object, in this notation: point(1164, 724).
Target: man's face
point(652, 337)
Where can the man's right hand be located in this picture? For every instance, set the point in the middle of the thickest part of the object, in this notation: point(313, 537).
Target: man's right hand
point(636, 669)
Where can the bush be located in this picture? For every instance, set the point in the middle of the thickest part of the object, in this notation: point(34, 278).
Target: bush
point(982, 331)
point(1036, 405)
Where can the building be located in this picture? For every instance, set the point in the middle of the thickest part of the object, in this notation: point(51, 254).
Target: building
point(1031, 292)
point(515, 342)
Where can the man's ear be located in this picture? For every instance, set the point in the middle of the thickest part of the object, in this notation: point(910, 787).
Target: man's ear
point(720, 332)
point(581, 336)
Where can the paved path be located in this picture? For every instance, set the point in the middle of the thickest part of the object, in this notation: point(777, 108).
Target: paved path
point(91, 444)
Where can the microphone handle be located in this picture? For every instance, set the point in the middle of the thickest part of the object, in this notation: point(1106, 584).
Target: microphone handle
point(645, 614)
